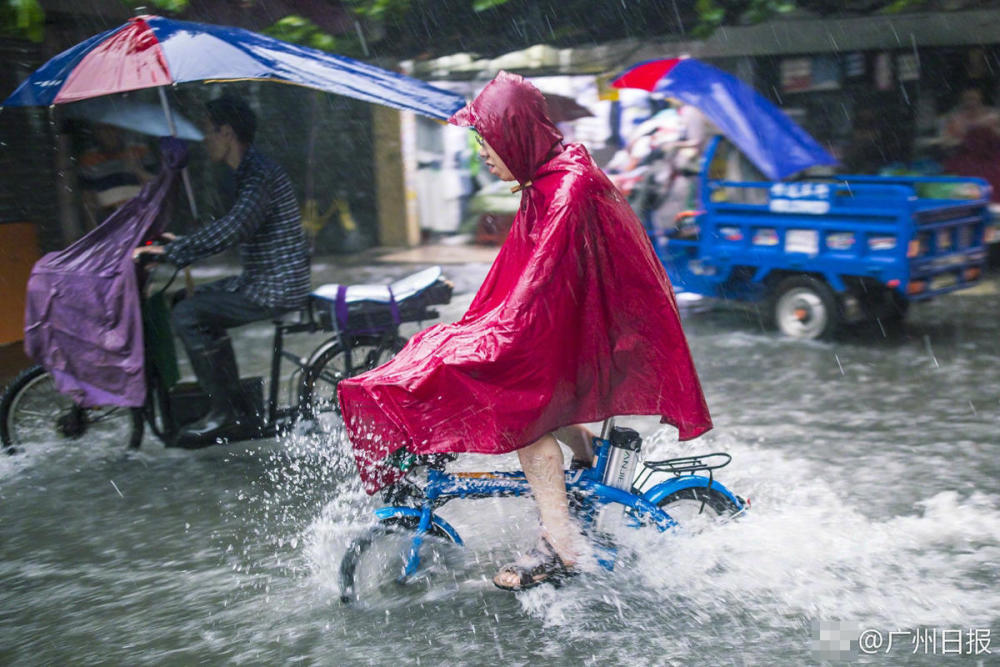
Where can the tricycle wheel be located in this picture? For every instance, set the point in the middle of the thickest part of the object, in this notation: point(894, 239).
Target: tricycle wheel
point(805, 307)
point(318, 388)
point(33, 411)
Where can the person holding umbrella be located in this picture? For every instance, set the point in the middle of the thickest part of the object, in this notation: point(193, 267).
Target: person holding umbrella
point(266, 225)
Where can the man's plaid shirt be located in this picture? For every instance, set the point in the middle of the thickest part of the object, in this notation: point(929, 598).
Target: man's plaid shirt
point(265, 221)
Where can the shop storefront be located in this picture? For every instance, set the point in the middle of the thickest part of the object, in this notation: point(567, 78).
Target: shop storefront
point(879, 109)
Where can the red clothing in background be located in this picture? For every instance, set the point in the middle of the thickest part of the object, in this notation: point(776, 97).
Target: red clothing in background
point(978, 155)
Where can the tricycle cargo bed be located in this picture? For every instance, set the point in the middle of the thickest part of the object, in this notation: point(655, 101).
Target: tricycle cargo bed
point(903, 242)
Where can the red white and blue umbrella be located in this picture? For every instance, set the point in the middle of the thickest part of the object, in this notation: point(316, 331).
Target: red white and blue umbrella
point(769, 138)
point(151, 51)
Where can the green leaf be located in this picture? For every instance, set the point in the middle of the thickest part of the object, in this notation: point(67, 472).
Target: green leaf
point(300, 30)
point(379, 10)
point(709, 12)
point(23, 18)
point(902, 5)
point(160, 6)
point(483, 5)
point(710, 17)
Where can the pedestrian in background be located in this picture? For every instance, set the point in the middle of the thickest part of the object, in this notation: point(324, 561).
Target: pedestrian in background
point(265, 223)
point(970, 113)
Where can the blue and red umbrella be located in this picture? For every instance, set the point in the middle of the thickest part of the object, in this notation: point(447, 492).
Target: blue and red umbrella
point(152, 51)
point(769, 138)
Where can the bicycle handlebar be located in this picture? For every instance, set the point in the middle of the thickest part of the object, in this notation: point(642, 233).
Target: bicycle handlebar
point(147, 258)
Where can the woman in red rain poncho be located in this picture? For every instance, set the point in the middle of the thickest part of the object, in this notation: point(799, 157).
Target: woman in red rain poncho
point(575, 322)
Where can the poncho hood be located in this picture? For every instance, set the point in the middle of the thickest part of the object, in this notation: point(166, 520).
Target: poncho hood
point(512, 116)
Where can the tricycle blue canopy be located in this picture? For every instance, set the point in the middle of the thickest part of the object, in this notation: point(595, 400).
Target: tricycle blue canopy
point(769, 138)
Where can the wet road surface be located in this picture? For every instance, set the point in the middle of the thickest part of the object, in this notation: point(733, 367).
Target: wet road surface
point(871, 464)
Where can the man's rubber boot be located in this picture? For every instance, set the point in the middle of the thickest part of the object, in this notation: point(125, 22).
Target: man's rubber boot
point(217, 373)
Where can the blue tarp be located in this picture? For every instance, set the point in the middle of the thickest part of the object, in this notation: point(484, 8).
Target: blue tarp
point(769, 138)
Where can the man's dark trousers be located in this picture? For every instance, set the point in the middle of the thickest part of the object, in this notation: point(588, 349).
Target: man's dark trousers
point(201, 319)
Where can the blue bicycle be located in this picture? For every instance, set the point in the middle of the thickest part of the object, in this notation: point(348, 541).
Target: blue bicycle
point(409, 536)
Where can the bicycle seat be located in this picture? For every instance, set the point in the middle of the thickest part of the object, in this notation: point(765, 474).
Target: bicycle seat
point(397, 291)
point(375, 308)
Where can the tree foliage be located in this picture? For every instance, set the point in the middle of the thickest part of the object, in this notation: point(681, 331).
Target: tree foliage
point(493, 26)
point(25, 19)
point(380, 10)
point(22, 18)
point(712, 14)
point(300, 30)
point(409, 28)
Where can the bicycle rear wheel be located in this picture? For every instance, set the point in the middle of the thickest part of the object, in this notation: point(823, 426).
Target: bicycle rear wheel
point(32, 410)
point(374, 565)
point(697, 508)
point(318, 390)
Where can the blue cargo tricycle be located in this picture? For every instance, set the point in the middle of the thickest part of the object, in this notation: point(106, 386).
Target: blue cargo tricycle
point(822, 253)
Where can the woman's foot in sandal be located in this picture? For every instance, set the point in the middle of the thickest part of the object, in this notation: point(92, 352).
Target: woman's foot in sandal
point(539, 566)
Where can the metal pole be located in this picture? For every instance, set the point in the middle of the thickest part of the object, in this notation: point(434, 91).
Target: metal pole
point(184, 172)
point(185, 178)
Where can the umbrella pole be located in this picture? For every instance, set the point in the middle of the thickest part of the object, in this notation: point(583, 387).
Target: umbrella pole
point(184, 171)
point(188, 282)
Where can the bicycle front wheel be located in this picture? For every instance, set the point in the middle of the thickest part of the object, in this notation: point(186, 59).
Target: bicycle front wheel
point(318, 391)
point(32, 411)
point(375, 564)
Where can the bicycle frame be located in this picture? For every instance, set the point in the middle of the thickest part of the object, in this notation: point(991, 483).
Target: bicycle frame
point(157, 393)
point(584, 486)
point(278, 352)
point(274, 416)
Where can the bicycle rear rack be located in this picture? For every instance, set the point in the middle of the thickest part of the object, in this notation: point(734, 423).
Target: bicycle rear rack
point(682, 465)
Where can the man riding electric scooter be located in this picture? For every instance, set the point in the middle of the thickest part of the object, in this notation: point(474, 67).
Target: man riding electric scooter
point(265, 223)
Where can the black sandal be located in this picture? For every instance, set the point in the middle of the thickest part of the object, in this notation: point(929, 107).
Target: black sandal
point(539, 566)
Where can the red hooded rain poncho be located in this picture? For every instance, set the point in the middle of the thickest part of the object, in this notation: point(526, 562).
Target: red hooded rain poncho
point(575, 322)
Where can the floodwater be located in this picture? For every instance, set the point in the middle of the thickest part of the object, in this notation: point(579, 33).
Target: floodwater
point(871, 465)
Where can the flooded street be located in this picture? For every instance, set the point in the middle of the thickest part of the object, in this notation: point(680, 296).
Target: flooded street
point(871, 464)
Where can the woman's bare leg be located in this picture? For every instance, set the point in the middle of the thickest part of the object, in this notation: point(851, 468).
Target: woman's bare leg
point(542, 462)
point(579, 439)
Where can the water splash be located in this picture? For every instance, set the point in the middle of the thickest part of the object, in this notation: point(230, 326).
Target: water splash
point(805, 551)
